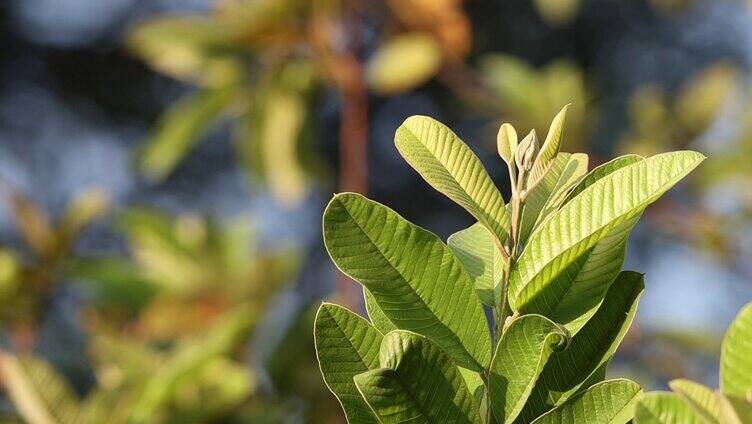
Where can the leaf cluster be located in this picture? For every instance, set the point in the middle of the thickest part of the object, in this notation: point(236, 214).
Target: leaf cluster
point(546, 265)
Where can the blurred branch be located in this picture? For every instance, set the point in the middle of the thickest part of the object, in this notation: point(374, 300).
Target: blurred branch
point(332, 24)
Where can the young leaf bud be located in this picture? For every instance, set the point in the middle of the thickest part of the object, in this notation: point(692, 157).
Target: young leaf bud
point(506, 143)
point(527, 151)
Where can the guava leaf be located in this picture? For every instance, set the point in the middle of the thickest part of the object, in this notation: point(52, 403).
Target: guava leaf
point(413, 276)
point(665, 408)
point(38, 392)
point(346, 345)
point(475, 249)
point(589, 217)
point(417, 382)
point(584, 361)
point(449, 166)
point(520, 356)
point(608, 402)
point(736, 356)
point(550, 148)
point(375, 314)
point(702, 399)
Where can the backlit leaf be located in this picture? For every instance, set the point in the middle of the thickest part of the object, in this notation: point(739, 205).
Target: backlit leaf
point(550, 148)
point(608, 402)
point(475, 249)
point(39, 393)
point(449, 166)
point(506, 143)
point(375, 314)
point(702, 399)
point(665, 408)
point(736, 356)
point(589, 217)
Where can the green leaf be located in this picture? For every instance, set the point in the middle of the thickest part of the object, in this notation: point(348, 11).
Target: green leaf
point(189, 47)
point(180, 129)
point(601, 171)
point(550, 148)
point(403, 62)
point(475, 384)
point(589, 217)
point(701, 398)
point(608, 402)
point(734, 410)
point(575, 170)
point(284, 113)
point(189, 357)
point(134, 360)
point(576, 293)
point(418, 382)
point(519, 359)
point(449, 166)
point(736, 356)
point(589, 352)
point(506, 144)
point(375, 314)
point(475, 249)
point(414, 277)
point(664, 408)
point(346, 345)
point(39, 393)
point(565, 170)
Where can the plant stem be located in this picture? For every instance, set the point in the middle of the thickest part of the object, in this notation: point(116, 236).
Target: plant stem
point(501, 312)
point(514, 238)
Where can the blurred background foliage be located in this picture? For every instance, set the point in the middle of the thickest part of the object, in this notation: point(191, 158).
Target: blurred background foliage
point(164, 166)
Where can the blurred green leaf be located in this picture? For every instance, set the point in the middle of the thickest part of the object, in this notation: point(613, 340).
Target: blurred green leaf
point(736, 356)
point(39, 393)
point(180, 129)
point(557, 12)
point(403, 62)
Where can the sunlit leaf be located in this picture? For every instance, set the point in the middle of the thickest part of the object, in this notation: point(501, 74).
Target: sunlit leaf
point(39, 393)
point(665, 408)
point(564, 171)
point(701, 398)
point(375, 314)
point(608, 402)
point(506, 143)
point(589, 217)
point(736, 356)
point(549, 149)
point(449, 166)
point(403, 62)
point(412, 275)
point(475, 249)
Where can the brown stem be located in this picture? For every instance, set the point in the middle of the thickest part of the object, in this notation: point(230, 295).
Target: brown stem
point(353, 153)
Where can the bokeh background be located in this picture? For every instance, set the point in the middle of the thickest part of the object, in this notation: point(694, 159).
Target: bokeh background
point(164, 165)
